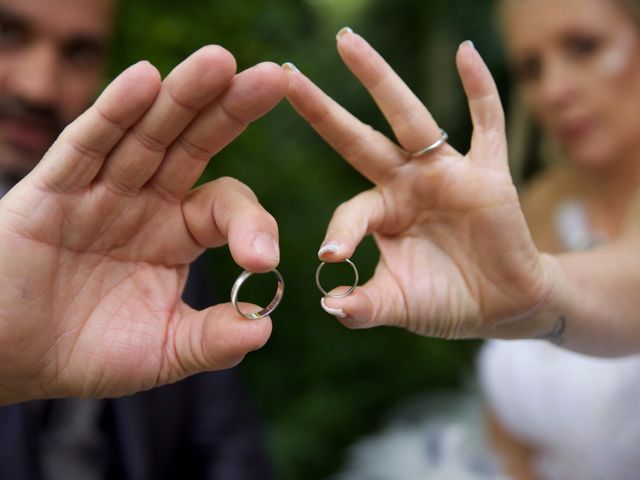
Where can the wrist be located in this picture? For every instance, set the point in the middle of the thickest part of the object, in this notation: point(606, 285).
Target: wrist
point(540, 316)
point(549, 321)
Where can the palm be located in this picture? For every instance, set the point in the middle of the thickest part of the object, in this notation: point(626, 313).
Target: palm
point(438, 252)
point(108, 223)
point(106, 287)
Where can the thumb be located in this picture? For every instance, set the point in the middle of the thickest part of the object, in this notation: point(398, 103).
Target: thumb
point(376, 303)
point(212, 339)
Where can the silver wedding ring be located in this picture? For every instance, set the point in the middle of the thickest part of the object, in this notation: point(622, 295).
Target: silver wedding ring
point(434, 146)
point(334, 295)
point(235, 290)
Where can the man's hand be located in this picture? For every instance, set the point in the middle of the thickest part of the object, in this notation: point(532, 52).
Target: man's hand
point(95, 244)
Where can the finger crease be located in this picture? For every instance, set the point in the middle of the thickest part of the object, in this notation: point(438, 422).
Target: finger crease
point(232, 116)
point(199, 153)
point(85, 151)
point(149, 142)
point(355, 145)
point(122, 126)
point(119, 188)
point(318, 116)
point(183, 105)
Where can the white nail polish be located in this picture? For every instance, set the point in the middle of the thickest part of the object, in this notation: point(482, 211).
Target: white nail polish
point(343, 31)
point(290, 66)
point(330, 247)
point(336, 312)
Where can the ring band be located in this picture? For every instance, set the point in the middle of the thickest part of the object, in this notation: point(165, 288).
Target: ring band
point(444, 136)
point(333, 295)
point(269, 308)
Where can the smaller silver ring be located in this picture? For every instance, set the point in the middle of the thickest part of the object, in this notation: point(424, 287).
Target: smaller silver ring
point(444, 136)
point(333, 295)
point(269, 308)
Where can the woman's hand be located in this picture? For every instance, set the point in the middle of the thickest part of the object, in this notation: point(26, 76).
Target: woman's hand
point(456, 257)
point(95, 244)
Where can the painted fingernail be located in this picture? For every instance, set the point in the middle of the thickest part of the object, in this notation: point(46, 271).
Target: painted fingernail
point(290, 67)
point(331, 247)
point(343, 31)
point(266, 246)
point(468, 43)
point(336, 312)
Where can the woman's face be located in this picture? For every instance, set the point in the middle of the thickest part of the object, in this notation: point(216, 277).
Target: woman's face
point(577, 63)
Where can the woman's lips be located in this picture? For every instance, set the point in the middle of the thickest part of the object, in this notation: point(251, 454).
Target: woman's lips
point(574, 130)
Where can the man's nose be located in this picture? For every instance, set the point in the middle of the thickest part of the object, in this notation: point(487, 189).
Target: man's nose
point(36, 76)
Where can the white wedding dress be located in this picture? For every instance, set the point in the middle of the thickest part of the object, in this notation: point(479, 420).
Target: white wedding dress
point(581, 414)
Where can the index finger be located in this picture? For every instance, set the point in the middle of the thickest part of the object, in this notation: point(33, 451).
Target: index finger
point(366, 149)
point(79, 153)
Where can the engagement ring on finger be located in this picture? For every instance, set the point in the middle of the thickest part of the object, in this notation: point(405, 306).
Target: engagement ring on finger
point(269, 308)
point(334, 295)
point(434, 146)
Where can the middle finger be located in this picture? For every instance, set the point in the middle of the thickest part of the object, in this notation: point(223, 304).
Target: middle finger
point(410, 120)
point(189, 88)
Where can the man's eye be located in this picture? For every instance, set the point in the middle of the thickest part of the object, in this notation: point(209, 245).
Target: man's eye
point(83, 55)
point(11, 34)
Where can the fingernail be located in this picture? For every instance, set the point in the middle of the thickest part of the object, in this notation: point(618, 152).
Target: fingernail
point(290, 67)
point(343, 31)
point(330, 247)
point(266, 246)
point(336, 312)
point(468, 43)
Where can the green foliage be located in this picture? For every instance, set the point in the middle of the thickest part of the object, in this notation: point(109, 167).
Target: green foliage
point(318, 385)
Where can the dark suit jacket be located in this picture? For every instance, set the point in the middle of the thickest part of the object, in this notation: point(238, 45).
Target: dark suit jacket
point(200, 428)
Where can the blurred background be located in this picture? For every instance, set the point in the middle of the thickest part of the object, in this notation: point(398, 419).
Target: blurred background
point(318, 386)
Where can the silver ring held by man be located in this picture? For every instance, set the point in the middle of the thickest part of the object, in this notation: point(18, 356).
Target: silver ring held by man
point(235, 290)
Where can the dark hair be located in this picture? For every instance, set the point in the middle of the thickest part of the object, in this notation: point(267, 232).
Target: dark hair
point(631, 6)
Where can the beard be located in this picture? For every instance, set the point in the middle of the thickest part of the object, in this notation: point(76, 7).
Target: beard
point(26, 132)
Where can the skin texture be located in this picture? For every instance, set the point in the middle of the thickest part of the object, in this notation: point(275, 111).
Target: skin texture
point(97, 240)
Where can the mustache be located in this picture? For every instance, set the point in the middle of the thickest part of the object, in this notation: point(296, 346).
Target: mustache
point(44, 116)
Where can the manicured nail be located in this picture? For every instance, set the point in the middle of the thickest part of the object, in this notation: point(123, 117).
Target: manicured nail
point(468, 43)
point(290, 66)
point(336, 312)
point(343, 31)
point(330, 247)
point(266, 246)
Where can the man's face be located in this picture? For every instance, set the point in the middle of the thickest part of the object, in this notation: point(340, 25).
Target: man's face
point(52, 55)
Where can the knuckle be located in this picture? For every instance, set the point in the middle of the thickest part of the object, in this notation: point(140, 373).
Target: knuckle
point(235, 185)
